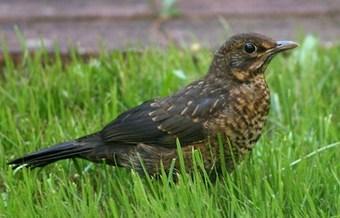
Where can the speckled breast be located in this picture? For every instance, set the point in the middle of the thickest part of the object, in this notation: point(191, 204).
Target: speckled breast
point(244, 117)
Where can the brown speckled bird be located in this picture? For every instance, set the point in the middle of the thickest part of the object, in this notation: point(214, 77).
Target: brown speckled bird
point(232, 100)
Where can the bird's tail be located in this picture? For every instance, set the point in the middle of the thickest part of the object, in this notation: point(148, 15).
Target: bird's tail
point(49, 155)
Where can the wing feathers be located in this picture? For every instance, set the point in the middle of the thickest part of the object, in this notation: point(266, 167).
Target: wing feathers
point(161, 122)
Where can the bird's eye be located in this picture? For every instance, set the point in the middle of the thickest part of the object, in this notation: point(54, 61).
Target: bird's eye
point(249, 48)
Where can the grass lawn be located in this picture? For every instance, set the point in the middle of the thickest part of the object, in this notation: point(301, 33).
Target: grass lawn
point(294, 170)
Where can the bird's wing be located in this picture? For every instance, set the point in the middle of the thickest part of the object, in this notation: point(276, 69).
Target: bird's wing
point(161, 122)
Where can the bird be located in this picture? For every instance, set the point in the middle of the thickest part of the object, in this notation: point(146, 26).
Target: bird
point(231, 102)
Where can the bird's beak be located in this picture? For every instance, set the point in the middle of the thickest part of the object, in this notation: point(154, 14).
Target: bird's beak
point(278, 47)
point(283, 46)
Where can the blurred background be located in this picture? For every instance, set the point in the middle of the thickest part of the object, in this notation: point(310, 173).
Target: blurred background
point(120, 24)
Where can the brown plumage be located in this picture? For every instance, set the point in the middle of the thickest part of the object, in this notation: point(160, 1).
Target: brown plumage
point(232, 101)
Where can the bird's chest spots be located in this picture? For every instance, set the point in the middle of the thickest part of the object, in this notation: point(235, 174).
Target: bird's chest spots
point(245, 116)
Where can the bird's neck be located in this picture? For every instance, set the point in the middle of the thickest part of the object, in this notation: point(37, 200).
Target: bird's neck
point(219, 68)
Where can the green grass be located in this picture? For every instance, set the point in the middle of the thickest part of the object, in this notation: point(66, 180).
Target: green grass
point(45, 103)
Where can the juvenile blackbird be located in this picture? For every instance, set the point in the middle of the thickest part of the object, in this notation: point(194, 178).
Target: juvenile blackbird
point(231, 101)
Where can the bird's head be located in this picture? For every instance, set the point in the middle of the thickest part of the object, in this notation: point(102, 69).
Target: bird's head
point(246, 55)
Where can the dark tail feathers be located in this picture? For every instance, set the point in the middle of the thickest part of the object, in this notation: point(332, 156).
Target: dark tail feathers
point(49, 155)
